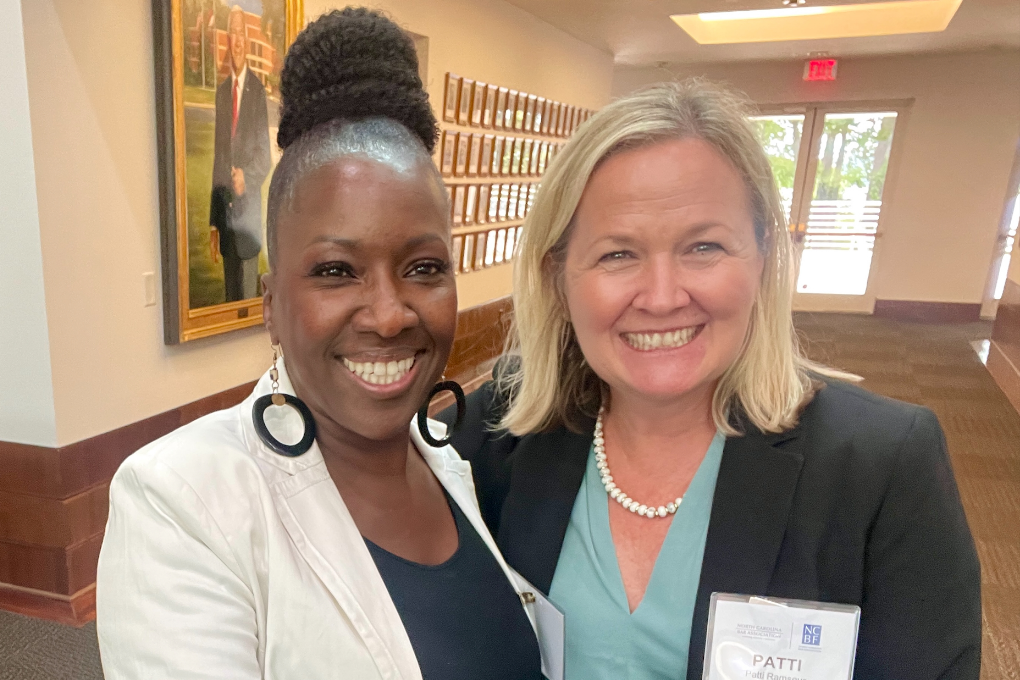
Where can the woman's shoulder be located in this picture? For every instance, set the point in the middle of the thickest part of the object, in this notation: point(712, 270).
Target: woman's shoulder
point(850, 401)
point(207, 458)
point(848, 417)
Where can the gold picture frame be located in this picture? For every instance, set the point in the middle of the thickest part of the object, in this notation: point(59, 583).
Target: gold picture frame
point(490, 106)
point(509, 115)
point(463, 144)
point(449, 153)
point(458, 205)
point(474, 156)
point(470, 204)
point(480, 245)
point(485, 157)
point(464, 105)
point(456, 249)
point(200, 185)
point(477, 103)
point(451, 101)
point(468, 257)
point(500, 112)
point(497, 156)
point(508, 156)
point(483, 203)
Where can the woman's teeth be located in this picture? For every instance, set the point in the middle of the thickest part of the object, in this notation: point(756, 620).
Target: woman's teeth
point(380, 372)
point(648, 341)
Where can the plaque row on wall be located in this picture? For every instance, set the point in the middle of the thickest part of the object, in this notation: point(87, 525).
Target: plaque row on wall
point(467, 154)
point(490, 203)
point(484, 249)
point(476, 104)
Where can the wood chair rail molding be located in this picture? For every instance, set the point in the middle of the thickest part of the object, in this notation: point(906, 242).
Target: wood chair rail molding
point(54, 501)
point(928, 312)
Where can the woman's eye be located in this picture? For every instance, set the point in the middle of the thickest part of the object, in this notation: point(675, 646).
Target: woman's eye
point(334, 270)
point(616, 256)
point(430, 268)
point(706, 247)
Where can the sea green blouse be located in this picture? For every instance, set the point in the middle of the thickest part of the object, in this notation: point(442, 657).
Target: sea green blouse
point(604, 640)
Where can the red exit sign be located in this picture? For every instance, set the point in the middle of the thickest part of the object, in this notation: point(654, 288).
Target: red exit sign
point(820, 69)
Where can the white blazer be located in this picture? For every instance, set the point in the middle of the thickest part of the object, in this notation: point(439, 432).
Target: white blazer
point(223, 559)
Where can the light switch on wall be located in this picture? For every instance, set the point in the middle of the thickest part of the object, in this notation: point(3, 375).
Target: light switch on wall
point(149, 282)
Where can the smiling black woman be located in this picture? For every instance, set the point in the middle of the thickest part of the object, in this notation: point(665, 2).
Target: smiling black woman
point(322, 527)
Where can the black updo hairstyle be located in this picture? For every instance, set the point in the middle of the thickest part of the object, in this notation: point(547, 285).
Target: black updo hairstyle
point(349, 85)
point(353, 64)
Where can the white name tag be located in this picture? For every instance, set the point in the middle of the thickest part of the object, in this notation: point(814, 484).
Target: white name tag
point(755, 638)
point(551, 627)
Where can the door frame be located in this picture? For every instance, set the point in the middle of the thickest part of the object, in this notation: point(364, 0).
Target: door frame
point(989, 305)
point(806, 169)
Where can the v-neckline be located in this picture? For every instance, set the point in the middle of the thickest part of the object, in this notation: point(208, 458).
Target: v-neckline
point(598, 502)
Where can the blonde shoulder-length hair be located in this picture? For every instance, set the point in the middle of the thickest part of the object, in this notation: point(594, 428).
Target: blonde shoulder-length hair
point(552, 384)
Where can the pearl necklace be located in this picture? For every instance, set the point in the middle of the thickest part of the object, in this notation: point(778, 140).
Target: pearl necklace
point(615, 492)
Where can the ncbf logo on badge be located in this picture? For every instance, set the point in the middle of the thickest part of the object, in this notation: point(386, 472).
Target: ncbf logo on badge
point(812, 635)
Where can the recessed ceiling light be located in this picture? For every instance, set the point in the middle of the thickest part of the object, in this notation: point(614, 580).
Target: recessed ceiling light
point(820, 22)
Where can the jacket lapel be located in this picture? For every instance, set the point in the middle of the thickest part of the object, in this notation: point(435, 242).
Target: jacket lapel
point(455, 476)
point(323, 532)
point(547, 473)
point(753, 497)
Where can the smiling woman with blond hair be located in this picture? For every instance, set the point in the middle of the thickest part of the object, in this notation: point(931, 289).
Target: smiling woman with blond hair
point(656, 434)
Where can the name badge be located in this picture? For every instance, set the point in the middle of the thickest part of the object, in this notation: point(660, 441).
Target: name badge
point(550, 624)
point(757, 638)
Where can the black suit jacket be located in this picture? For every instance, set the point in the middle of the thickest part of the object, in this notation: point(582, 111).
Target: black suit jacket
point(239, 218)
point(857, 504)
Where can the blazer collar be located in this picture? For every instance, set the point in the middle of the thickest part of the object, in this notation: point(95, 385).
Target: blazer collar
point(753, 497)
point(546, 474)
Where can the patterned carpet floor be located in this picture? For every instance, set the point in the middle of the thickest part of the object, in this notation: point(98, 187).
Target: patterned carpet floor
point(928, 364)
point(39, 650)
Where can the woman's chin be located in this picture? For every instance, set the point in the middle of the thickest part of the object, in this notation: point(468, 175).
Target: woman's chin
point(664, 388)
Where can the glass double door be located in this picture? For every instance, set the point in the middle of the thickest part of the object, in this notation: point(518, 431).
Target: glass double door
point(830, 165)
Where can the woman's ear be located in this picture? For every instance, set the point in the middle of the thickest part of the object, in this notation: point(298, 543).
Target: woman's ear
point(268, 295)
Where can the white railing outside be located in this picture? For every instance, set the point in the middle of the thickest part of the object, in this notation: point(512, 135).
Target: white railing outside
point(838, 245)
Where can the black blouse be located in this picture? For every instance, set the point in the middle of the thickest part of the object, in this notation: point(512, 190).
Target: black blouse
point(464, 618)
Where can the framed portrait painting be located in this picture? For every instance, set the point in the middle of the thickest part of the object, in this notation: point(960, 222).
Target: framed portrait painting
point(217, 110)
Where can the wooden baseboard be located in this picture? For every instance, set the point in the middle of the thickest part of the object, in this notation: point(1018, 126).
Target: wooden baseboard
point(72, 610)
point(928, 312)
point(1005, 372)
point(54, 501)
point(1004, 349)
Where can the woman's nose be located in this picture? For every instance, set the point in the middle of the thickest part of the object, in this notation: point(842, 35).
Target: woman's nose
point(384, 312)
point(662, 286)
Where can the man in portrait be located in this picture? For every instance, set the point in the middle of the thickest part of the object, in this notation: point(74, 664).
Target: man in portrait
point(241, 162)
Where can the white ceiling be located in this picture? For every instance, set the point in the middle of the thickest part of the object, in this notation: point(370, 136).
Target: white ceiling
point(640, 32)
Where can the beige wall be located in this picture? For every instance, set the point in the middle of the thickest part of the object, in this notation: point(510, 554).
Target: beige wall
point(26, 405)
point(90, 85)
point(944, 205)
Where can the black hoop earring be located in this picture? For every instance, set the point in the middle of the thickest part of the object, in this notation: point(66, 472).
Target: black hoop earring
point(423, 413)
point(258, 413)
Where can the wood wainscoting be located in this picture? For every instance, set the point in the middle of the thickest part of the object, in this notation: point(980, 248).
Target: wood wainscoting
point(928, 312)
point(1004, 350)
point(54, 502)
